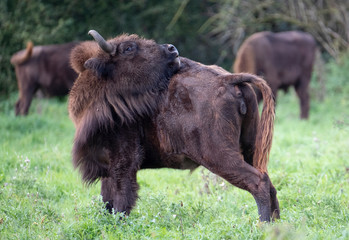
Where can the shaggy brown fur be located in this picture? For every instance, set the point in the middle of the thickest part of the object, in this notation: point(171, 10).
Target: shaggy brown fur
point(42, 67)
point(210, 117)
point(207, 117)
point(204, 79)
point(283, 59)
point(112, 93)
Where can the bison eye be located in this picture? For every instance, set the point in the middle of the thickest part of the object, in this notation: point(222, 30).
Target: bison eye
point(128, 47)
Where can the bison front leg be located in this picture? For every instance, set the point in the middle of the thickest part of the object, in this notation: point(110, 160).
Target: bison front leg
point(119, 194)
point(119, 190)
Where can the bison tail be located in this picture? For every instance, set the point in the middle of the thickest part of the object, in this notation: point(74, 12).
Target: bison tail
point(20, 58)
point(266, 126)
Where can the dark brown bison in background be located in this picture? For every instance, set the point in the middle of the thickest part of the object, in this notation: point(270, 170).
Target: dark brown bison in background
point(283, 59)
point(42, 67)
point(129, 115)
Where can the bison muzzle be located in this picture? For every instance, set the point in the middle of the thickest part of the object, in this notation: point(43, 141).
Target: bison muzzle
point(137, 104)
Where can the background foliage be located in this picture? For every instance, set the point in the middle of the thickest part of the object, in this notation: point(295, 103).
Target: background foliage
point(208, 31)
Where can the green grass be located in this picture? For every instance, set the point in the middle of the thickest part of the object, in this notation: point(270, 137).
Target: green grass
point(42, 197)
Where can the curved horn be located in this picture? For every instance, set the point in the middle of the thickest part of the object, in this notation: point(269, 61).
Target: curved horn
point(107, 47)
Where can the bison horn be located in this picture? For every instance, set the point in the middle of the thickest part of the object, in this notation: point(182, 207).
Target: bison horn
point(106, 47)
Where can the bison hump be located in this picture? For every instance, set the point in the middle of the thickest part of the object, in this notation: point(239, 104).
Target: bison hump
point(81, 53)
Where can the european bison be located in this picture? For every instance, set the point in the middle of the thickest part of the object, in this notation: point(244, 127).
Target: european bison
point(284, 59)
point(42, 67)
point(129, 115)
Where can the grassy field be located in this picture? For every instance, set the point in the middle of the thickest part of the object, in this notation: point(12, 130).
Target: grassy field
point(42, 197)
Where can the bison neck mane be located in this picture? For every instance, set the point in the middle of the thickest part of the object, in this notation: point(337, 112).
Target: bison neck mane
point(130, 106)
point(100, 108)
point(132, 98)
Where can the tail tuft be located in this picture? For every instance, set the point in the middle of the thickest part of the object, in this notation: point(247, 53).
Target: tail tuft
point(266, 127)
point(266, 124)
point(21, 56)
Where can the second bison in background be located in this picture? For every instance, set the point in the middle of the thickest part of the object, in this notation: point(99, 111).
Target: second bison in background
point(283, 59)
point(42, 67)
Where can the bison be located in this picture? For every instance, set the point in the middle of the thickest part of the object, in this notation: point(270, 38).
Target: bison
point(42, 67)
point(138, 105)
point(284, 59)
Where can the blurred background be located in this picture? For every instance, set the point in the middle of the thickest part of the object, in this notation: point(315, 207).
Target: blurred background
point(209, 31)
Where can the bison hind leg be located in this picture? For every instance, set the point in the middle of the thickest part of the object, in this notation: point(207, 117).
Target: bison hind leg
point(302, 90)
point(18, 108)
point(24, 101)
point(275, 210)
point(244, 176)
point(268, 207)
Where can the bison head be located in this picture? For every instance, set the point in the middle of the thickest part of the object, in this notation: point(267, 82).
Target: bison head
point(132, 61)
point(120, 80)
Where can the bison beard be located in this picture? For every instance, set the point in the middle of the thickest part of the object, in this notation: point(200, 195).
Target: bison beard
point(206, 117)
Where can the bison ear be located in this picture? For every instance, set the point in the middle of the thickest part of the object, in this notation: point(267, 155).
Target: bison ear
point(100, 68)
point(81, 53)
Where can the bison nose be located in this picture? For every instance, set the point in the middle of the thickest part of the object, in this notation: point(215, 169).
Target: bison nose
point(171, 49)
